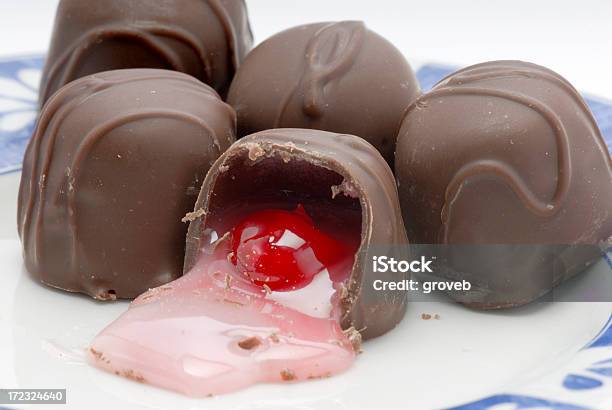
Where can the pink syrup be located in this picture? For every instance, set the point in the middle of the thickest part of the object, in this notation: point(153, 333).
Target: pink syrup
point(260, 306)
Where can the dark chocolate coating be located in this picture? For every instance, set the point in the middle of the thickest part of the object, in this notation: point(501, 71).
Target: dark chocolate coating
point(506, 152)
point(286, 164)
point(338, 77)
point(115, 162)
point(204, 38)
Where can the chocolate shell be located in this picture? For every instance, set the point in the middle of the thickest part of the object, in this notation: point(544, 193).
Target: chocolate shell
point(206, 39)
point(116, 160)
point(506, 153)
point(338, 77)
point(291, 166)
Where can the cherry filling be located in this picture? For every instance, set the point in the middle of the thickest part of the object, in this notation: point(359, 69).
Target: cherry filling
point(284, 251)
point(261, 305)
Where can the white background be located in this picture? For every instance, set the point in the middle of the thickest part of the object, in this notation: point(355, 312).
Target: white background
point(573, 38)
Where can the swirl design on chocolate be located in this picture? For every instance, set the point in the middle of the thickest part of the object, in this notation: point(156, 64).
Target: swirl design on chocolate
point(330, 53)
point(458, 85)
point(94, 136)
point(505, 172)
point(66, 65)
point(482, 72)
point(231, 33)
point(150, 34)
point(54, 111)
point(54, 115)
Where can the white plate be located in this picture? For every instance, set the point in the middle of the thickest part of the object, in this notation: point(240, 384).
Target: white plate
point(464, 356)
point(545, 356)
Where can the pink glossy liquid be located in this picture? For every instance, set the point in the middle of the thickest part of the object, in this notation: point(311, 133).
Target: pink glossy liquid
point(216, 330)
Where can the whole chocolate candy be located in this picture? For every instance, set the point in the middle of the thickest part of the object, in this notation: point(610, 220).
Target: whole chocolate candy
point(506, 153)
point(115, 162)
point(205, 38)
point(338, 77)
point(340, 180)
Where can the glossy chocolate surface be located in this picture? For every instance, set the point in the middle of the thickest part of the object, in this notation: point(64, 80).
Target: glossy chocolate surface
point(506, 152)
point(204, 38)
point(291, 166)
point(115, 162)
point(339, 77)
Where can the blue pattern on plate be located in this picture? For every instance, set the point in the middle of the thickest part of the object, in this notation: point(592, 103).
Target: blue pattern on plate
point(609, 258)
point(577, 382)
point(18, 105)
point(18, 102)
point(603, 339)
point(571, 382)
point(601, 367)
point(520, 402)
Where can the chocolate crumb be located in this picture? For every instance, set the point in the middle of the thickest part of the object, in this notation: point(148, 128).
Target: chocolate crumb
point(106, 296)
point(425, 316)
point(250, 343)
point(228, 282)
point(267, 289)
point(354, 338)
point(221, 240)
point(286, 157)
point(321, 376)
point(95, 353)
point(437, 316)
point(287, 375)
point(274, 338)
point(346, 189)
point(256, 152)
point(343, 291)
point(192, 216)
point(132, 375)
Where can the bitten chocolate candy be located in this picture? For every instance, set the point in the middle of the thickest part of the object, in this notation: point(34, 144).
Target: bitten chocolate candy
point(205, 38)
point(332, 176)
point(115, 162)
point(506, 153)
point(338, 77)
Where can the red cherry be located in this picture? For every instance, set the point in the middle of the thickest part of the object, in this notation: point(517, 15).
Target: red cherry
point(284, 250)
